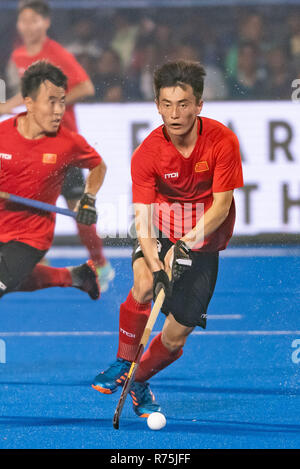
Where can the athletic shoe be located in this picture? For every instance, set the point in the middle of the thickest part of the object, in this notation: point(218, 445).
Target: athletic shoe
point(108, 381)
point(85, 278)
point(105, 274)
point(143, 399)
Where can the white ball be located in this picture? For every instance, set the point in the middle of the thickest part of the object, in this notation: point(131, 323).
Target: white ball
point(156, 421)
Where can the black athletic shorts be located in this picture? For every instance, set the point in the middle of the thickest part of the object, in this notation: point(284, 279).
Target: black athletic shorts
point(17, 260)
point(74, 183)
point(193, 291)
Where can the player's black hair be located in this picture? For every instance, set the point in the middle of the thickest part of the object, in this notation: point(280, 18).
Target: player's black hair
point(39, 6)
point(180, 73)
point(37, 74)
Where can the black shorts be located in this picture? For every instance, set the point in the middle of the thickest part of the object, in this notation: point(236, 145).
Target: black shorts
point(74, 183)
point(193, 291)
point(17, 260)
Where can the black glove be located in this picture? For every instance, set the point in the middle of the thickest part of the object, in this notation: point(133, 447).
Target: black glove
point(182, 260)
point(87, 214)
point(161, 280)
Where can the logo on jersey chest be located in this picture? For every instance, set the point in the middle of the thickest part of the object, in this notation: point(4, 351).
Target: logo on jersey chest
point(201, 166)
point(5, 156)
point(49, 158)
point(171, 175)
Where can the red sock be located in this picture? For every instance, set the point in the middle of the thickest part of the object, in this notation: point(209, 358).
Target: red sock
point(44, 276)
point(90, 239)
point(155, 359)
point(132, 322)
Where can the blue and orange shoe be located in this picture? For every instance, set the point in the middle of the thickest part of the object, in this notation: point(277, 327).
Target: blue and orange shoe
point(143, 399)
point(106, 274)
point(109, 380)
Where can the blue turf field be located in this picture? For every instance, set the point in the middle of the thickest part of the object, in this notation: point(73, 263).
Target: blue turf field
point(236, 386)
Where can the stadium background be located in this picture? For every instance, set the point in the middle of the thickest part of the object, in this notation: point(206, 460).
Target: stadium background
point(238, 42)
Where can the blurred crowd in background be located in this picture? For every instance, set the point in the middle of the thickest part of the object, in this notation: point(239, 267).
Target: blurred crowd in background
point(248, 54)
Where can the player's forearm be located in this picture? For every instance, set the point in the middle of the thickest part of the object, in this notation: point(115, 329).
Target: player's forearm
point(79, 92)
point(95, 179)
point(12, 103)
point(149, 248)
point(146, 236)
point(208, 223)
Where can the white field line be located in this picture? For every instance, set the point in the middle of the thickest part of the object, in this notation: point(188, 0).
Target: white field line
point(114, 333)
point(115, 252)
point(225, 316)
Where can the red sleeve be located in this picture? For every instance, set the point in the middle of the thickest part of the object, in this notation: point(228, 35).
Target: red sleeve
point(228, 173)
point(143, 177)
point(69, 65)
point(83, 155)
point(74, 71)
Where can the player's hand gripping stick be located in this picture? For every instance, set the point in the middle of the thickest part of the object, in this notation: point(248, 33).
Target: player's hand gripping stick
point(161, 280)
point(182, 260)
point(87, 213)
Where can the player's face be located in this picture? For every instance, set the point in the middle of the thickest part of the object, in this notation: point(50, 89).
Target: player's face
point(48, 107)
point(179, 109)
point(31, 26)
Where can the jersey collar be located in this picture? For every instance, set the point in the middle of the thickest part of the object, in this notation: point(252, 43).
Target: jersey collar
point(17, 117)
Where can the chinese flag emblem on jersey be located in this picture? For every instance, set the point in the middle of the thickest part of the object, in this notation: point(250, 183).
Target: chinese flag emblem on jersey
point(201, 166)
point(49, 158)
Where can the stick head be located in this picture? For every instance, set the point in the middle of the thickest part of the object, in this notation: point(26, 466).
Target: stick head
point(116, 421)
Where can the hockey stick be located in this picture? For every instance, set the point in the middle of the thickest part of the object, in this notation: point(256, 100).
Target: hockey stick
point(37, 204)
point(143, 342)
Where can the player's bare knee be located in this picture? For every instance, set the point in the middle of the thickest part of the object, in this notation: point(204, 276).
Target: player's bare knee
point(142, 288)
point(141, 292)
